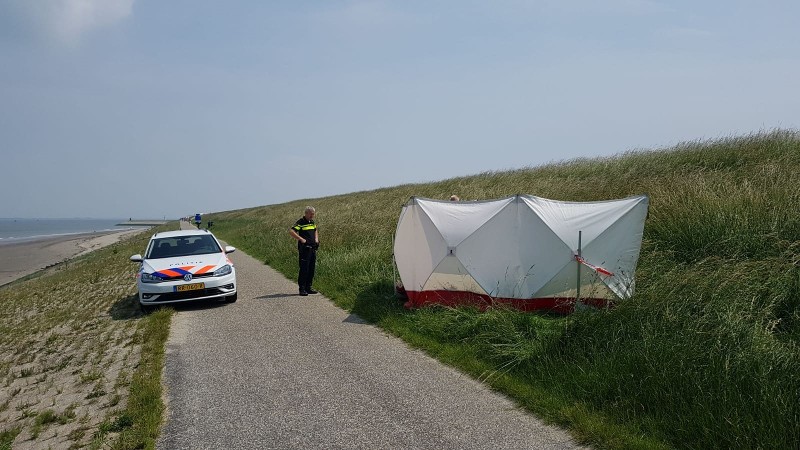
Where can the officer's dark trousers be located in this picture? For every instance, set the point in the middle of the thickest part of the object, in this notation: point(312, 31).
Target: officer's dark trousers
point(308, 259)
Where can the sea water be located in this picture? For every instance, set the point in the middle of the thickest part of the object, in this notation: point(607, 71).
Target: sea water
point(26, 229)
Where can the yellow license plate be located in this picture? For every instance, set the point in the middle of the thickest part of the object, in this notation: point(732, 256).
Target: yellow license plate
point(189, 287)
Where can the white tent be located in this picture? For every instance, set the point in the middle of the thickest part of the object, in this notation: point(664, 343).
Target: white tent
point(523, 250)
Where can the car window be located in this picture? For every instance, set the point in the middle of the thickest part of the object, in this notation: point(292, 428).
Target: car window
point(172, 247)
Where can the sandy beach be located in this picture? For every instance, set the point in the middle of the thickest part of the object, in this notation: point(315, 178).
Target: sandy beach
point(18, 259)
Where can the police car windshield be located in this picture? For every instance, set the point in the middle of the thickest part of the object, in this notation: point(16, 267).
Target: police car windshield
point(172, 247)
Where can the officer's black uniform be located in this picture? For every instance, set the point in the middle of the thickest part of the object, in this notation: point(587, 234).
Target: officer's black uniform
point(308, 252)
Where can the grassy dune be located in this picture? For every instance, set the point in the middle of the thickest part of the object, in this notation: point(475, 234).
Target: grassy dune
point(706, 355)
point(79, 365)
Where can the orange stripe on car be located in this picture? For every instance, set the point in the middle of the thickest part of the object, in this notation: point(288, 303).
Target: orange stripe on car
point(203, 270)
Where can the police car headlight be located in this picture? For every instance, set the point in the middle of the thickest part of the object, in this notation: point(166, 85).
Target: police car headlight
point(224, 270)
point(150, 278)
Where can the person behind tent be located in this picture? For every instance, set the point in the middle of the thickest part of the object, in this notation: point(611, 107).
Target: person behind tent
point(306, 234)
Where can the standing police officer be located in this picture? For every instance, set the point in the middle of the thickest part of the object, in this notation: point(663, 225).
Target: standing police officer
point(305, 233)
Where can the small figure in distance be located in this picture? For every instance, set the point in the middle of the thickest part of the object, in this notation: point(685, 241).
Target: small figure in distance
point(454, 198)
point(305, 233)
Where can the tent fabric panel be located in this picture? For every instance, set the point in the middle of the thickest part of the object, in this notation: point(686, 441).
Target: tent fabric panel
point(526, 253)
point(404, 244)
point(541, 250)
point(418, 247)
point(457, 220)
point(491, 255)
point(564, 284)
point(617, 249)
point(451, 275)
point(591, 218)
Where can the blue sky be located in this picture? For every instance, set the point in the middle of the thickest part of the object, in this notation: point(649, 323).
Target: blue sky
point(143, 108)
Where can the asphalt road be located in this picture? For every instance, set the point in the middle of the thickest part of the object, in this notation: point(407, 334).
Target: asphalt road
point(276, 370)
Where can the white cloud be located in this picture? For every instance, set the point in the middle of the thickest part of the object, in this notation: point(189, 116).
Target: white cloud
point(66, 21)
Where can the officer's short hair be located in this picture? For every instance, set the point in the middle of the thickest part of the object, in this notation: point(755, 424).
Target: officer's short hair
point(310, 208)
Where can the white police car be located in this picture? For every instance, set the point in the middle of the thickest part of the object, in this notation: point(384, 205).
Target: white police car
point(185, 265)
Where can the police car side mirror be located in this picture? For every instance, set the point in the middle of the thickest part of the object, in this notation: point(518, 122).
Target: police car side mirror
point(136, 258)
point(229, 249)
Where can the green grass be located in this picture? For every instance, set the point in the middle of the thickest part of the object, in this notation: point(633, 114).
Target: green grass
point(706, 355)
point(7, 438)
point(47, 417)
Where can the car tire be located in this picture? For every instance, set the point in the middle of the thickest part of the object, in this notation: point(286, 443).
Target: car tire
point(232, 298)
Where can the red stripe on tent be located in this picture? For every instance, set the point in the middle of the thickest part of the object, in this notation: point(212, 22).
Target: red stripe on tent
point(560, 305)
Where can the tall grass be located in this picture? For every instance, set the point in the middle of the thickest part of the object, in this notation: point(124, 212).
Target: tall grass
point(706, 355)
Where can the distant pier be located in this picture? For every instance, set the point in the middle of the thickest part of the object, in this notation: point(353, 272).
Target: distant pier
point(142, 223)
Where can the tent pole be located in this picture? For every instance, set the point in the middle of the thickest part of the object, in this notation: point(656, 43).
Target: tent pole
point(578, 294)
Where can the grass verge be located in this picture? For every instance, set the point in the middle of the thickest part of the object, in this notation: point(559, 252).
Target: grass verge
point(139, 423)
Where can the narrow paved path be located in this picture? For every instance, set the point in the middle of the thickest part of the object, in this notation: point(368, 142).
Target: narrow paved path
point(276, 370)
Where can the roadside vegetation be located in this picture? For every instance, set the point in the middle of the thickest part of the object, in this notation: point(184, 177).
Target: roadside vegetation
point(707, 353)
point(80, 366)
